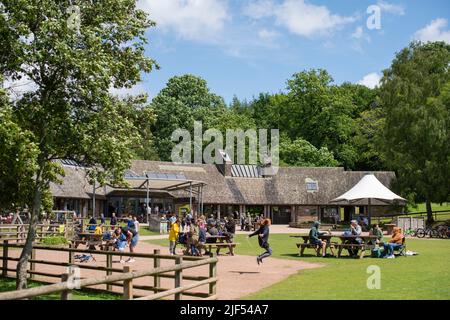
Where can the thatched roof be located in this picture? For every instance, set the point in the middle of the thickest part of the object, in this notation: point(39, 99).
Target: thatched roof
point(287, 187)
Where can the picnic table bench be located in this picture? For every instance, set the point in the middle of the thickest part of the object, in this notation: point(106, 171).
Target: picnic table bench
point(347, 242)
point(224, 242)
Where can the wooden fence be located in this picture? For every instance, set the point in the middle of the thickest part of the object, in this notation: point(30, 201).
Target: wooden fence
point(123, 277)
point(19, 232)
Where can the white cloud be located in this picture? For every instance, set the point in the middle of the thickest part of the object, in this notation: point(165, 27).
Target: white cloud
point(370, 80)
point(191, 19)
point(391, 8)
point(259, 9)
point(435, 31)
point(268, 35)
point(16, 88)
point(359, 38)
point(298, 16)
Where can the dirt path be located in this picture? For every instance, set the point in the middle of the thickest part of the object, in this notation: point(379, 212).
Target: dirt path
point(239, 275)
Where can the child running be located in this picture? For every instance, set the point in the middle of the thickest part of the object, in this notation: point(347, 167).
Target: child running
point(263, 239)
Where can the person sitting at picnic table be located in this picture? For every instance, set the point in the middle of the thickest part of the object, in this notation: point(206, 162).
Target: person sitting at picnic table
point(92, 224)
point(130, 222)
point(355, 230)
point(376, 231)
point(230, 230)
point(173, 235)
point(314, 235)
point(395, 242)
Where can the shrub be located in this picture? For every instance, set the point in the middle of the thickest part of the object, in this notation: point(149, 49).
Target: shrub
point(54, 240)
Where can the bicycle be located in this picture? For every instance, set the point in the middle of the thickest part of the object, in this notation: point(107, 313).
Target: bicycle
point(428, 231)
point(410, 232)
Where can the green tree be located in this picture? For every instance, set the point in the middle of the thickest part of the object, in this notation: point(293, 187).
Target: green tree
point(70, 113)
point(301, 153)
point(185, 99)
point(321, 113)
point(415, 137)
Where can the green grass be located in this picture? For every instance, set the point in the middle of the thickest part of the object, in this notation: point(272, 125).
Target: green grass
point(421, 207)
point(8, 284)
point(426, 276)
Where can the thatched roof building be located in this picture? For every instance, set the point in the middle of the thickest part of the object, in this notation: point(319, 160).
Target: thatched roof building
point(293, 190)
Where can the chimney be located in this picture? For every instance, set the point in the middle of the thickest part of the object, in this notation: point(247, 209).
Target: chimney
point(223, 162)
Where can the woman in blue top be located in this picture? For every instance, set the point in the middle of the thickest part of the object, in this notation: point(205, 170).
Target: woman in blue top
point(263, 239)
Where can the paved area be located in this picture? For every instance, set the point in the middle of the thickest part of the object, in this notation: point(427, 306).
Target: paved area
point(238, 275)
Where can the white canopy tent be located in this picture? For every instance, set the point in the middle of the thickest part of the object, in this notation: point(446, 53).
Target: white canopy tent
point(369, 187)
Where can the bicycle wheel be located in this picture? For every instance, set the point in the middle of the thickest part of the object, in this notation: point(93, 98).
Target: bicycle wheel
point(420, 233)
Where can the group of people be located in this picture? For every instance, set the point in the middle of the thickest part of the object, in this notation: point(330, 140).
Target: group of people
point(119, 236)
point(194, 233)
point(389, 247)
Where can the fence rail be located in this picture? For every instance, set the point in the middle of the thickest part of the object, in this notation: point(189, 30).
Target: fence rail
point(111, 280)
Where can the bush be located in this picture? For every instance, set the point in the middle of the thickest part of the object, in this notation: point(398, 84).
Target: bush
point(54, 240)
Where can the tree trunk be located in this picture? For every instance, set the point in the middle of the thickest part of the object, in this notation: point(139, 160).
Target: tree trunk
point(22, 265)
point(430, 218)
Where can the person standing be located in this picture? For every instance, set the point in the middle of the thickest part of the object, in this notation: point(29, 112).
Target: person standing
point(173, 236)
point(136, 224)
point(113, 221)
point(102, 219)
point(263, 240)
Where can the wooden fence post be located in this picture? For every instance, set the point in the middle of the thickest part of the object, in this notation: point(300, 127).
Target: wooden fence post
point(156, 264)
point(66, 294)
point(127, 285)
point(178, 277)
point(5, 258)
point(32, 264)
point(108, 265)
point(212, 274)
point(71, 254)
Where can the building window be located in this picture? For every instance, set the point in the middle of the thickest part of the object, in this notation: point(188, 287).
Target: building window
point(311, 185)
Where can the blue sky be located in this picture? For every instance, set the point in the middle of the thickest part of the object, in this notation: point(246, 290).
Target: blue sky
point(246, 47)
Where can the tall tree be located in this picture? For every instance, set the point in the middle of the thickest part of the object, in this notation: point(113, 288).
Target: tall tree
point(321, 113)
point(415, 137)
point(301, 153)
point(72, 55)
point(185, 99)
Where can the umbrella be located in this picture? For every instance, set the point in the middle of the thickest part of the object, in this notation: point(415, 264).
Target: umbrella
point(369, 187)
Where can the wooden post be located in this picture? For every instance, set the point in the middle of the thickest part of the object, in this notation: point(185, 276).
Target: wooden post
point(66, 294)
point(156, 264)
point(108, 265)
point(32, 264)
point(127, 285)
point(5, 258)
point(212, 274)
point(71, 254)
point(178, 278)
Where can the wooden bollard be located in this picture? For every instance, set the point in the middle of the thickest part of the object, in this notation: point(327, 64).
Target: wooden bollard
point(127, 285)
point(66, 294)
point(5, 258)
point(178, 278)
point(156, 264)
point(212, 274)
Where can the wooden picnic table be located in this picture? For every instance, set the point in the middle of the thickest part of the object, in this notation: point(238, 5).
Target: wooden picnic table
point(347, 242)
point(223, 242)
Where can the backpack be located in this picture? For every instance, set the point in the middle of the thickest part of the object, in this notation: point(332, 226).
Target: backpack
point(347, 233)
point(377, 252)
point(107, 236)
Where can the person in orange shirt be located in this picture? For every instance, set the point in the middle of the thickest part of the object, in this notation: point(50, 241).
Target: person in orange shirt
point(394, 243)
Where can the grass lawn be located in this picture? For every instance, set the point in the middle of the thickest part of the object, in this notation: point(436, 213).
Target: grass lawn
point(426, 276)
point(8, 284)
point(421, 207)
